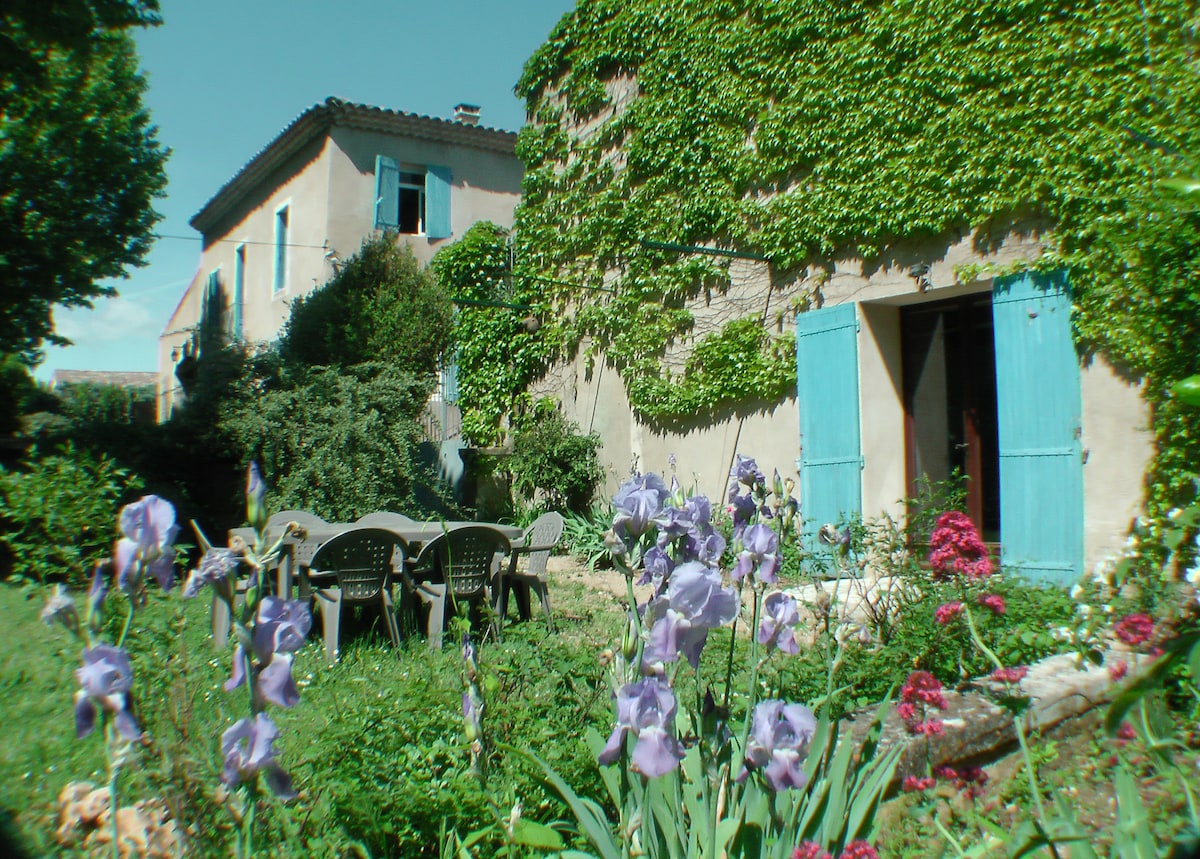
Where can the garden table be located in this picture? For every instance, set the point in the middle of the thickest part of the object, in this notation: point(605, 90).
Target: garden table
point(414, 533)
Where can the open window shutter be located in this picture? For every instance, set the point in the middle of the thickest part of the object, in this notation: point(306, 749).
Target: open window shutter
point(827, 392)
point(1039, 420)
point(450, 381)
point(437, 202)
point(387, 193)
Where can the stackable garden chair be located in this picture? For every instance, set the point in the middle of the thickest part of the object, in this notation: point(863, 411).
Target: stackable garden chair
point(457, 566)
point(540, 539)
point(364, 561)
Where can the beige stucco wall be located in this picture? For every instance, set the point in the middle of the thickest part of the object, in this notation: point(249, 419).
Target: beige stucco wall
point(329, 188)
point(1114, 415)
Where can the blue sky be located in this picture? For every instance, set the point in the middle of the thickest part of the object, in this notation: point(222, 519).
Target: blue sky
point(226, 76)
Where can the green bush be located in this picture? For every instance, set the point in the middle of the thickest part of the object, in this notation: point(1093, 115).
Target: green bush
point(338, 443)
point(552, 458)
point(380, 306)
point(53, 509)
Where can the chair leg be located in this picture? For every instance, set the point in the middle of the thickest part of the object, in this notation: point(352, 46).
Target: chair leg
point(543, 592)
point(330, 600)
point(389, 617)
point(434, 595)
point(221, 621)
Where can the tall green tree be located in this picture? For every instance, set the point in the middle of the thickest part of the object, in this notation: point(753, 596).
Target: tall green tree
point(80, 164)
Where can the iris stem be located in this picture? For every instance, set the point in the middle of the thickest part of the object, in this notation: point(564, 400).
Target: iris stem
point(114, 771)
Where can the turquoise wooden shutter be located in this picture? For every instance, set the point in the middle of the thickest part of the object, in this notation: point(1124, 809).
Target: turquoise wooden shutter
point(450, 381)
point(827, 392)
point(437, 202)
point(387, 193)
point(1039, 415)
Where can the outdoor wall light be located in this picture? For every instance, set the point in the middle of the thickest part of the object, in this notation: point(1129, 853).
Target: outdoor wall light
point(920, 273)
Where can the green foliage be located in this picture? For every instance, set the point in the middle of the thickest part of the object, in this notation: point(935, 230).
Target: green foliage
point(552, 458)
point(583, 533)
point(806, 132)
point(379, 306)
point(338, 443)
point(51, 513)
point(497, 357)
point(80, 164)
point(16, 387)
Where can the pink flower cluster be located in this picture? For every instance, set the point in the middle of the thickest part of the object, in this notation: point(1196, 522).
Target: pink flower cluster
point(921, 691)
point(1118, 669)
point(854, 850)
point(1134, 629)
point(949, 611)
point(993, 602)
point(967, 780)
point(956, 549)
point(915, 783)
point(1010, 675)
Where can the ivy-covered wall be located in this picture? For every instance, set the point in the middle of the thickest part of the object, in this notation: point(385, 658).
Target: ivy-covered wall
point(807, 132)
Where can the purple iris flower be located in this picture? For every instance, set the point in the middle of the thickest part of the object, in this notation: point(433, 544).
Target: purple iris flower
point(679, 622)
point(281, 627)
point(60, 608)
point(647, 708)
point(760, 554)
point(148, 535)
point(106, 678)
point(742, 508)
point(746, 471)
point(217, 565)
point(656, 567)
point(778, 626)
point(275, 683)
point(779, 744)
point(248, 749)
point(639, 500)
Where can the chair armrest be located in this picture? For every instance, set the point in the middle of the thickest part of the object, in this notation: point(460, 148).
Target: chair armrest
point(525, 550)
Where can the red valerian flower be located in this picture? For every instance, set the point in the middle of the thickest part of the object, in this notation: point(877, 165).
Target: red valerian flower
point(1134, 629)
point(949, 611)
point(1010, 675)
point(858, 850)
point(1126, 732)
point(956, 549)
point(1118, 669)
point(913, 783)
point(922, 687)
point(994, 602)
point(810, 850)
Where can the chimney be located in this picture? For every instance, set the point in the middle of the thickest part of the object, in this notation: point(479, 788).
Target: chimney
point(467, 114)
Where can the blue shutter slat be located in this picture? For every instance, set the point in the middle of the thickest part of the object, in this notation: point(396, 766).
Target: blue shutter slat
point(1039, 418)
point(437, 202)
point(387, 193)
point(827, 393)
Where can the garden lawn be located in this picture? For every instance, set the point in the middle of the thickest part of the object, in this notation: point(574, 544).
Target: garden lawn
point(375, 746)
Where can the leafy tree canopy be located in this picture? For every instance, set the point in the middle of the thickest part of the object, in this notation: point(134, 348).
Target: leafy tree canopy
point(80, 163)
point(380, 306)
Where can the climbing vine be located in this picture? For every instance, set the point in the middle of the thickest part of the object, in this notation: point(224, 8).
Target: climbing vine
point(804, 131)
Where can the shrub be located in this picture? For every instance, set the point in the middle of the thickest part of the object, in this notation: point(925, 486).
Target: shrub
point(341, 444)
point(60, 541)
point(552, 458)
point(380, 306)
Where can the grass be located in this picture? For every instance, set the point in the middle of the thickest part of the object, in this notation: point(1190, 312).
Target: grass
point(376, 746)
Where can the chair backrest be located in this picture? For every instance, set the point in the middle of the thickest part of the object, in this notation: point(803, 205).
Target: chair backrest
point(384, 519)
point(363, 559)
point(546, 530)
point(467, 557)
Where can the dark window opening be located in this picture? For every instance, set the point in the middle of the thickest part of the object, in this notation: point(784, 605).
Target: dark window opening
point(411, 218)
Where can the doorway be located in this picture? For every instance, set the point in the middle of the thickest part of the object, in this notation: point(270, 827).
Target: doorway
point(948, 357)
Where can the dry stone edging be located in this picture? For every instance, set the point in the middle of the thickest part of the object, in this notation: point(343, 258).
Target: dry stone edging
point(978, 731)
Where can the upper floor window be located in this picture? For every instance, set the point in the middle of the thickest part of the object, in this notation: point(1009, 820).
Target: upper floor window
point(411, 199)
point(239, 291)
point(281, 248)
